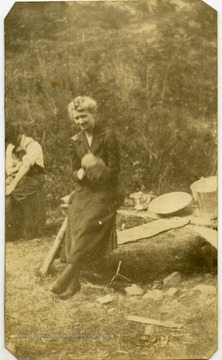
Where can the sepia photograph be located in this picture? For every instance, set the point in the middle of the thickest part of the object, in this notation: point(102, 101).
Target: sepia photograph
point(111, 180)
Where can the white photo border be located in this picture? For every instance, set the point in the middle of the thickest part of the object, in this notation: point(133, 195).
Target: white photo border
point(5, 7)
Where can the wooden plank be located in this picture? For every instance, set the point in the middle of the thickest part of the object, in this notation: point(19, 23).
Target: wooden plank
point(198, 220)
point(54, 249)
point(210, 235)
point(194, 217)
point(153, 322)
point(150, 229)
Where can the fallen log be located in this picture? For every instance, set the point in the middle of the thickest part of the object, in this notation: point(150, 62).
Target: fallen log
point(153, 258)
point(133, 234)
point(165, 246)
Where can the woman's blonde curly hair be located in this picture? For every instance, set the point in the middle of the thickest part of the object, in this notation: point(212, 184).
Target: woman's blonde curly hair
point(81, 103)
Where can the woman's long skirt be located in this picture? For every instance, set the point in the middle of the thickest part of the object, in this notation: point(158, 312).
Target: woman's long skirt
point(90, 231)
point(26, 209)
point(91, 225)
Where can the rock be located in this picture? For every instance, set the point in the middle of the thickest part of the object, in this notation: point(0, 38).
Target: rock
point(134, 290)
point(105, 299)
point(206, 289)
point(155, 295)
point(175, 301)
point(157, 284)
point(171, 292)
point(149, 330)
point(173, 279)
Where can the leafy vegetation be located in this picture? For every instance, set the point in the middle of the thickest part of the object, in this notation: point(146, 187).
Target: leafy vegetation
point(152, 67)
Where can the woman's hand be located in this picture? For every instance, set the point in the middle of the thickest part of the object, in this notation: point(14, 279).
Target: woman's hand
point(80, 174)
point(88, 161)
point(9, 189)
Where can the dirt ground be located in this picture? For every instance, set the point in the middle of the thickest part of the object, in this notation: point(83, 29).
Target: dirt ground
point(39, 326)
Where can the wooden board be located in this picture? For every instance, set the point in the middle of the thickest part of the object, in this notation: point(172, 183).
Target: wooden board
point(208, 234)
point(194, 217)
point(150, 229)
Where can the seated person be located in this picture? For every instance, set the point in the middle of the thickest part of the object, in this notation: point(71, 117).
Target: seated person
point(12, 164)
point(91, 222)
point(25, 179)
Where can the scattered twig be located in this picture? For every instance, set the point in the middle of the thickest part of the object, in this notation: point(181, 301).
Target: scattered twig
point(153, 322)
point(88, 284)
point(177, 335)
point(118, 274)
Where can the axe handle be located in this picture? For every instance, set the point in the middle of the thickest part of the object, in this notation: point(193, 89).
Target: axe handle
point(53, 251)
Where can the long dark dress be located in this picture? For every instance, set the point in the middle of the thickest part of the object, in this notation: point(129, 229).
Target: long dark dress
point(92, 209)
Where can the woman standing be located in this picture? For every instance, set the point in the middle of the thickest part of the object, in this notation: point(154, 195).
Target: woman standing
point(93, 204)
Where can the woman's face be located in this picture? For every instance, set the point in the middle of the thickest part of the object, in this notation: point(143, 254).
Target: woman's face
point(85, 120)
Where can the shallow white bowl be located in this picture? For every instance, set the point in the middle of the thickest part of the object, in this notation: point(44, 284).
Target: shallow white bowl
point(170, 203)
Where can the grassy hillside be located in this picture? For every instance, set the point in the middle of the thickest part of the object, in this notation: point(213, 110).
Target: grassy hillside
point(150, 65)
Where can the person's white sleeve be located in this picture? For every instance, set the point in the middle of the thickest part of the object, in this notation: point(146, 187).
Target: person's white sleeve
point(33, 152)
point(9, 159)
